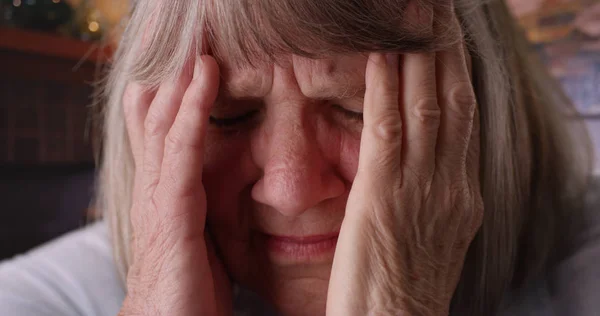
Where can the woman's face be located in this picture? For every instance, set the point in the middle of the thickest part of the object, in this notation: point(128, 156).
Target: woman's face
point(282, 152)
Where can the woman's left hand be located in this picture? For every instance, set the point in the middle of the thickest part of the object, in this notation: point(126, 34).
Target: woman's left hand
point(415, 204)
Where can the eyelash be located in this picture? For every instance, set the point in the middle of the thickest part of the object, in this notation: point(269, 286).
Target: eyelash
point(237, 120)
point(351, 115)
point(232, 121)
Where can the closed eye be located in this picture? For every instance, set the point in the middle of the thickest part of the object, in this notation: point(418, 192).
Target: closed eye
point(352, 115)
point(232, 121)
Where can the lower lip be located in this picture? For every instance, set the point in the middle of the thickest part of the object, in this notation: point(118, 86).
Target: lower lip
point(296, 250)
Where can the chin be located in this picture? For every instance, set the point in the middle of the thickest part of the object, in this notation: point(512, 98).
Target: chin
point(301, 297)
point(290, 289)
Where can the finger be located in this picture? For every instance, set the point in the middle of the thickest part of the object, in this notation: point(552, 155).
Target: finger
point(137, 98)
point(160, 116)
point(457, 101)
point(469, 61)
point(420, 110)
point(381, 139)
point(158, 122)
point(474, 151)
point(136, 101)
point(181, 174)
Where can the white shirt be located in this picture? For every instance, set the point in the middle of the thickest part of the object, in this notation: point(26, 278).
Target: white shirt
point(72, 275)
point(76, 275)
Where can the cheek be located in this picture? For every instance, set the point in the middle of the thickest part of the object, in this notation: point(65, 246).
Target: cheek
point(349, 152)
point(227, 178)
point(341, 147)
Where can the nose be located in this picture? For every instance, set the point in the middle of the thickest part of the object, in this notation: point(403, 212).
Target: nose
point(297, 176)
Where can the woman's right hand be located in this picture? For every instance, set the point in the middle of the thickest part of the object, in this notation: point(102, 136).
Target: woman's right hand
point(175, 270)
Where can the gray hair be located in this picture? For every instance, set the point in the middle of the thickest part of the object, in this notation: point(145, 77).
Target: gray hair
point(535, 162)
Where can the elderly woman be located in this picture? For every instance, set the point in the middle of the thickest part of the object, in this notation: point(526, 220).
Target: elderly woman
point(331, 157)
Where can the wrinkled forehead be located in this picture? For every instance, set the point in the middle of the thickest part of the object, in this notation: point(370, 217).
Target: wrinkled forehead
point(331, 77)
point(248, 38)
point(322, 43)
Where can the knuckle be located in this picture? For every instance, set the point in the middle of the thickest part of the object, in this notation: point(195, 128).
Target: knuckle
point(150, 186)
point(151, 170)
point(153, 125)
point(461, 100)
point(388, 127)
point(427, 111)
point(174, 143)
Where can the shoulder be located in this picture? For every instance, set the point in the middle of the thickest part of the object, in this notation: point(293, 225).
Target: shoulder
point(571, 283)
point(73, 275)
point(574, 281)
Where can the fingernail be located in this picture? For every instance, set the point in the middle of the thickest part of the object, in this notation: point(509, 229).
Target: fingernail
point(197, 68)
point(392, 59)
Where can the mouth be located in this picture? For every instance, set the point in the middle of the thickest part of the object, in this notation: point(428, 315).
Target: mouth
point(300, 249)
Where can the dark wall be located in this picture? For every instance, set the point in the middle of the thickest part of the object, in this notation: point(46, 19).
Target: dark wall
point(41, 203)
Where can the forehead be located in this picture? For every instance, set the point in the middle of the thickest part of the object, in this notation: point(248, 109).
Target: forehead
point(332, 77)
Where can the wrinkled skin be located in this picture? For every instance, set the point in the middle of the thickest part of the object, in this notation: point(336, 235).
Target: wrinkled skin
point(400, 185)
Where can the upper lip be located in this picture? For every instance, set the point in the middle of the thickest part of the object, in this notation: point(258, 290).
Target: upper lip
point(303, 239)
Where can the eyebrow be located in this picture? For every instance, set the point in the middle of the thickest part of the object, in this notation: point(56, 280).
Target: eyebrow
point(336, 89)
point(226, 98)
point(339, 92)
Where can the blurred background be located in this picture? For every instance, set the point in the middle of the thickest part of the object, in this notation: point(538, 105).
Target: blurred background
point(52, 51)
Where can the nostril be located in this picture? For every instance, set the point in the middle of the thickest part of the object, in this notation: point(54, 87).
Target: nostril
point(292, 191)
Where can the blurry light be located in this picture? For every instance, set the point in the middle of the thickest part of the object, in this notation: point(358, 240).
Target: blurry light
point(93, 26)
point(56, 1)
point(17, 3)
